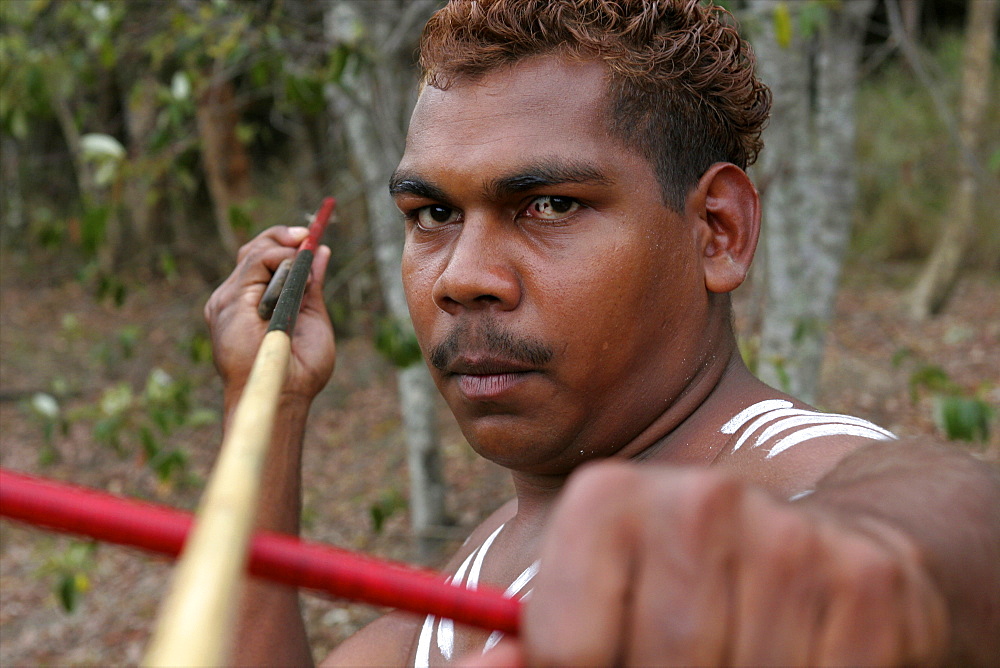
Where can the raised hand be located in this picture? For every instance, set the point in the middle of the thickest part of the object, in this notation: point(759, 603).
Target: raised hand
point(237, 329)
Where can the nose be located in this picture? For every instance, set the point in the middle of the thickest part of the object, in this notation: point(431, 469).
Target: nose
point(480, 272)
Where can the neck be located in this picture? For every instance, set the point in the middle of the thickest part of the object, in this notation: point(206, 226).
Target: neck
point(680, 435)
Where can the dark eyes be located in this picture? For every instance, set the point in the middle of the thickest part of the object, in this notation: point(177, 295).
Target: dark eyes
point(543, 207)
point(435, 215)
point(551, 207)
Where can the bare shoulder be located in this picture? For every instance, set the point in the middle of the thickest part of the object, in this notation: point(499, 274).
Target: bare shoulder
point(387, 641)
point(787, 446)
point(391, 640)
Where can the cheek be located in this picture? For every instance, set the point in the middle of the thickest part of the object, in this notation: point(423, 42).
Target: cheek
point(418, 282)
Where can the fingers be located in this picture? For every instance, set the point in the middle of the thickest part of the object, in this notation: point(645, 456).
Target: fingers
point(313, 298)
point(684, 585)
point(237, 327)
point(645, 565)
point(585, 569)
point(282, 235)
point(780, 585)
point(256, 262)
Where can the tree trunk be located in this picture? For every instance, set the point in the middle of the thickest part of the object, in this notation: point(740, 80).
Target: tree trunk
point(11, 189)
point(810, 190)
point(374, 103)
point(910, 14)
point(224, 158)
point(940, 274)
point(140, 195)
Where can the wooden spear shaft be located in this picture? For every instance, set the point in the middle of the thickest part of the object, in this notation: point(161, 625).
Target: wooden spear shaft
point(197, 619)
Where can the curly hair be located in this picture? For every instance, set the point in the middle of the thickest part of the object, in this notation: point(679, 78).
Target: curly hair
point(681, 87)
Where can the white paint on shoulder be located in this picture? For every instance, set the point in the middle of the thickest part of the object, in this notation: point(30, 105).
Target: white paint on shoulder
point(810, 417)
point(775, 416)
point(477, 565)
point(751, 412)
point(827, 430)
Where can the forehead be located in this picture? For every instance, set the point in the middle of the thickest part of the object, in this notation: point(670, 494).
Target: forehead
point(546, 106)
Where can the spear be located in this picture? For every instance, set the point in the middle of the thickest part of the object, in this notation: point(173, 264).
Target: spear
point(197, 619)
point(272, 556)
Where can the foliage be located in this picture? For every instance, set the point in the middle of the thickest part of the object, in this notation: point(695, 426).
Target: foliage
point(70, 570)
point(907, 158)
point(803, 22)
point(958, 414)
point(397, 342)
point(45, 409)
point(387, 505)
point(149, 419)
point(130, 422)
point(119, 84)
point(963, 418)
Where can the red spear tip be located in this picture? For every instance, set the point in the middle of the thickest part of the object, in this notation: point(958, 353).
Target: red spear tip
point(318, 226)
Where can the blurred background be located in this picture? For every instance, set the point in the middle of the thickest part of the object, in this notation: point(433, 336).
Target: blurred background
point(144, 141)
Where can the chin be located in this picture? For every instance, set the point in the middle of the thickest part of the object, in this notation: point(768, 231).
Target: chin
point(541, 454)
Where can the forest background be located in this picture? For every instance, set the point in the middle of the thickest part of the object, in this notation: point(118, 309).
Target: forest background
point(142, 142)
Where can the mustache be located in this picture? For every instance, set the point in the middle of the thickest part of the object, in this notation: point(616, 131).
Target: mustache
point(489, 338)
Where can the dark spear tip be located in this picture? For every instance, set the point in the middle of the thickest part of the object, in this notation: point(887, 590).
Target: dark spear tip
point(286, 309)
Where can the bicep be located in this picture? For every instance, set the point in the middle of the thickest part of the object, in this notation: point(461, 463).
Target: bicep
point(388, 641)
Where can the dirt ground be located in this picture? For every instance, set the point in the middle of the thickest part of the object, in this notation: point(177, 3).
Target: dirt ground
point(55, 338)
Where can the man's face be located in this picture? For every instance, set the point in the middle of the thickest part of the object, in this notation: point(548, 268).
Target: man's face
point(561, 304)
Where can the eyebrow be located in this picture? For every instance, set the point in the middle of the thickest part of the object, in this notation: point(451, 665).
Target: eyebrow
point(551, 173)
point(547, 173)
point(407, 183)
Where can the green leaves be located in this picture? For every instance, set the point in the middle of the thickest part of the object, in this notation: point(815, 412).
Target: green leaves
point(397, 342)
point(958, 414)
point(963, 418)
point(783, 25)
point(70, 567)
point(385, 507)
point(806, 19)
point(124, 419)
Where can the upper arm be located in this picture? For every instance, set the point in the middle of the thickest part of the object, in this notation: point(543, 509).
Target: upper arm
point(387, 641)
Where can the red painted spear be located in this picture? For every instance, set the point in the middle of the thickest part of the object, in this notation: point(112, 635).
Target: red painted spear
point(272, 556)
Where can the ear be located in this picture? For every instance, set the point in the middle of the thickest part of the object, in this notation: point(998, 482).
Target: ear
point(726, 208)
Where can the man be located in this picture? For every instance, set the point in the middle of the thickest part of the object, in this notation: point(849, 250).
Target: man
point(576, 214)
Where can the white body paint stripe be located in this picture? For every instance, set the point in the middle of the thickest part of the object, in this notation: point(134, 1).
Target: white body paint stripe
point(751, 412)
point(422, 657)
point(814, 418)
point(826, 430)
point(773, 415)
point(477, 565)
point(446, 626)
point(526, 576)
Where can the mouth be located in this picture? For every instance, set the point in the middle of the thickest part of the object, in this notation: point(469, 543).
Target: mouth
point(484, 378)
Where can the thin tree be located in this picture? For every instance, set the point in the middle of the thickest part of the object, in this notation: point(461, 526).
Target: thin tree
point(809, 53)
point(373, 102)
point(940, 274)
